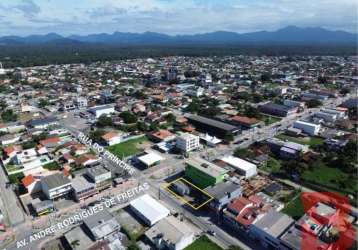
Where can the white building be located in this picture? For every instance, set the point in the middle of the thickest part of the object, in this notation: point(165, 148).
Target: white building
point(112, 138)
point(327, 117)
point(101, 110)
point(81, 102)
point(211, 141)
point(148, 209)
point(150, 159)
point(55, 186)
point(307, 127)
point(244, 168)
point(187, 142)
point(171, 233)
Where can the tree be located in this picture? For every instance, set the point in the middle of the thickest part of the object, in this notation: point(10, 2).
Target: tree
point(265, 77)
point(313, 103)
point(104, 121)
point(97, 135)
point(133, 246)
point(43, 103)
point(75, 244)
point(252, 112)
point(9, 116)
point(128, 117)
point(3, 105)
point(193, 107)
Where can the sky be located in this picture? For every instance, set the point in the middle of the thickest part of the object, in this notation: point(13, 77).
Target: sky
point(66, 17)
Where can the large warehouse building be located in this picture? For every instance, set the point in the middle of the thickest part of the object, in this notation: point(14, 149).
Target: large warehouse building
point(148, 209)
point(213, 127)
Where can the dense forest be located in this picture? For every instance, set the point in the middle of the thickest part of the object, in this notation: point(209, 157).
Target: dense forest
point(44, 54)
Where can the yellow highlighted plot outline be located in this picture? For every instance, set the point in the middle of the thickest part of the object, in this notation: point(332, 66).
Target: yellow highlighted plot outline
point(184, 200)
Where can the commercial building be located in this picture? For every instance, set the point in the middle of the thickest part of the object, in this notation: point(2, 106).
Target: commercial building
point(187, 142)
point(245, 122)
point(101, 225)
point(212, 127)
point(150, 159)
point(55, 186)
point(149, 210)
point(76, 235)
point(270, 227)
point(307, 127)
point(277, 109)
point(223, 193)
point(82, 188)
point(42, 207)
point(241, 166)
point(101, 110)
point(170, 233)
point(43, 123)
point(203, 173)
point(210, 141)
point(100, 176)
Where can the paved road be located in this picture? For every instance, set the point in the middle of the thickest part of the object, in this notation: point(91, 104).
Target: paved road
point(11, 205)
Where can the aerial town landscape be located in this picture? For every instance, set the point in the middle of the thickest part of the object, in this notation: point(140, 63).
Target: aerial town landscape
point(168, 151)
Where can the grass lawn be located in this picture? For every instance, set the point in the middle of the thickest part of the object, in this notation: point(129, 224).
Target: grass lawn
point(203, 243)
point(269, 119)
point(331, 177)
point(311, 141)
point(272, 166)
point(294, 208)
point(127, 148)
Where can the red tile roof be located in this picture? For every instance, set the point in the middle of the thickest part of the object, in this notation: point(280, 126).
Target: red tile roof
point(244, 120)
point(52, 140)
point(28, 180)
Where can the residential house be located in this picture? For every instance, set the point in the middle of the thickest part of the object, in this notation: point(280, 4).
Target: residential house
point(112, 138)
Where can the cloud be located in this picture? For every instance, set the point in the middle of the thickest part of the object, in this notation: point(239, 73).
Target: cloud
point(174, 16)
point(28, 7)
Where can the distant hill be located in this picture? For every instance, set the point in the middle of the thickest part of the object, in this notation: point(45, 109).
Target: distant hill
point(288, 35)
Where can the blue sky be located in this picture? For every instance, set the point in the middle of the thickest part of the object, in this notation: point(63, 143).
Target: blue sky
point(24, 17)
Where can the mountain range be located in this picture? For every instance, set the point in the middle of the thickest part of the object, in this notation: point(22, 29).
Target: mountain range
point(287, 35)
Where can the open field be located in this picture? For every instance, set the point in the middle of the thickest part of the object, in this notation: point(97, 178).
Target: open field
point(128, 148)
point(294, 208)
point(311, 141)
point(203, 243)
point(331, 177)
point(267, 119)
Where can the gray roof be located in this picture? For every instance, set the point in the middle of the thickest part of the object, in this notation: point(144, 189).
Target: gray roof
point(276, 106)
point(77, 234)
point(102, 107)
point(43, 121)
point(55, 180)
point(102, 224)
point(211, 122)
point(80, 183)
point(292, 238)
point(274, 223)
point(97, 170)
point(222, 189)
point(42, 205)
